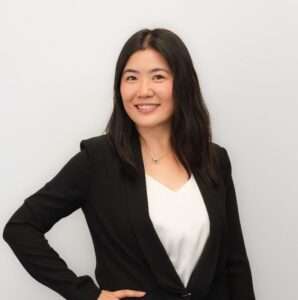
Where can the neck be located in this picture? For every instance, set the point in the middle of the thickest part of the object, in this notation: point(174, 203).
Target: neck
point(156, 140)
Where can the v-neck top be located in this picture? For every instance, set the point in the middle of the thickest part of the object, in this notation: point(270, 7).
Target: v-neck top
point(181, 221)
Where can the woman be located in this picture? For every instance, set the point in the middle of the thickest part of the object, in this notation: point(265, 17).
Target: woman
point(157, 193)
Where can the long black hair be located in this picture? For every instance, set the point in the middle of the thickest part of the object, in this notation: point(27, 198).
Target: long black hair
point(191, 136)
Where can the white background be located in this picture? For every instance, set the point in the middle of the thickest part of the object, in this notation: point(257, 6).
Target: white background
point(57, 61)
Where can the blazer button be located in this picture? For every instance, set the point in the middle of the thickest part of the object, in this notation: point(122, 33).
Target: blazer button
point(186, 295)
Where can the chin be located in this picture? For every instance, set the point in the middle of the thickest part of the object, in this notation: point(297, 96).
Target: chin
point(150, 124)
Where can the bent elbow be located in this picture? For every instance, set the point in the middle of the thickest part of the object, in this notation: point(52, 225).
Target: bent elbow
point(12, 233)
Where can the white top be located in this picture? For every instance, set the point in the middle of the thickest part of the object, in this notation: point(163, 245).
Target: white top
point(181, 221)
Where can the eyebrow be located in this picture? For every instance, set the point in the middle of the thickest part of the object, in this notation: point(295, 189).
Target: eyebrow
point(151, 71)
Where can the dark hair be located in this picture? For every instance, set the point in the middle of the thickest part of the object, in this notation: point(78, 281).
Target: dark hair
point(191, 136)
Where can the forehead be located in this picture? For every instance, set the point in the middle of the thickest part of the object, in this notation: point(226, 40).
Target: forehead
point(146, 59)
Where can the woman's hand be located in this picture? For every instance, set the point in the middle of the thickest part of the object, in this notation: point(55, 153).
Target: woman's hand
point(116, 295)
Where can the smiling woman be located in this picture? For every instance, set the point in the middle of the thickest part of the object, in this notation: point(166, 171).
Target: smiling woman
point(156, 191)
point(156, 87)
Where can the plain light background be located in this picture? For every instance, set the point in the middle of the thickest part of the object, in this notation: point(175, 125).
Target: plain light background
point(57, 61)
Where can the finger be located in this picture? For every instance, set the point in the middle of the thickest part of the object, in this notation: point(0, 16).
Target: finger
point(129, 293)
point(107, 295)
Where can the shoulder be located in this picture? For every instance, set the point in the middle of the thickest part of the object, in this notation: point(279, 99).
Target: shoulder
point(96, 142)
point(219, 149)
point(222, 157)
point(97, 147)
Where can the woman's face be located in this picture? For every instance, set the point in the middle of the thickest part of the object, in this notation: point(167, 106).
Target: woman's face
point(147, 81)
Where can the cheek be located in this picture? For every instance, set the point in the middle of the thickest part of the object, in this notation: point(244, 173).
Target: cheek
point(122, 91)
point(166, 92)
point(126, 93)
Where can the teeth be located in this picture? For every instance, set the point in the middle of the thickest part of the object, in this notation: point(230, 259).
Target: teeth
point(146, 107)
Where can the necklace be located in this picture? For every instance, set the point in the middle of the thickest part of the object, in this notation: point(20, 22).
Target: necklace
point(156, 160)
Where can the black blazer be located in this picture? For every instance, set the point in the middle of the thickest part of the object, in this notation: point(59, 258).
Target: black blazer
point(129, 253)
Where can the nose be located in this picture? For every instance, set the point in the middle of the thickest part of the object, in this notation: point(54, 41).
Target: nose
point(144, 89)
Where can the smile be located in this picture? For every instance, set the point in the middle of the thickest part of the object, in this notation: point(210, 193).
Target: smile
point(146, 108)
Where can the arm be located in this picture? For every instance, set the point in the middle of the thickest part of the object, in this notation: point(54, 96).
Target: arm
point(238, 269)
point(24, 232)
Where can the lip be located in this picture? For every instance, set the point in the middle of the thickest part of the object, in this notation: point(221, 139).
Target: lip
point(146, 112)
point(146, 104)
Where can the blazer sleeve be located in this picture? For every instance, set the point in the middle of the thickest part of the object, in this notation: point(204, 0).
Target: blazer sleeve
point(238, 269)
point(24, 231)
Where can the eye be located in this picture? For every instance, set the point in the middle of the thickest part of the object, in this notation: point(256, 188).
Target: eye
point(158, 76)
point(128, 78)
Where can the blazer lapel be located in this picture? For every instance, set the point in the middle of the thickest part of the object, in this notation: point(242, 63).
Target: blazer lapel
point(205, 268)
point(154, 251)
